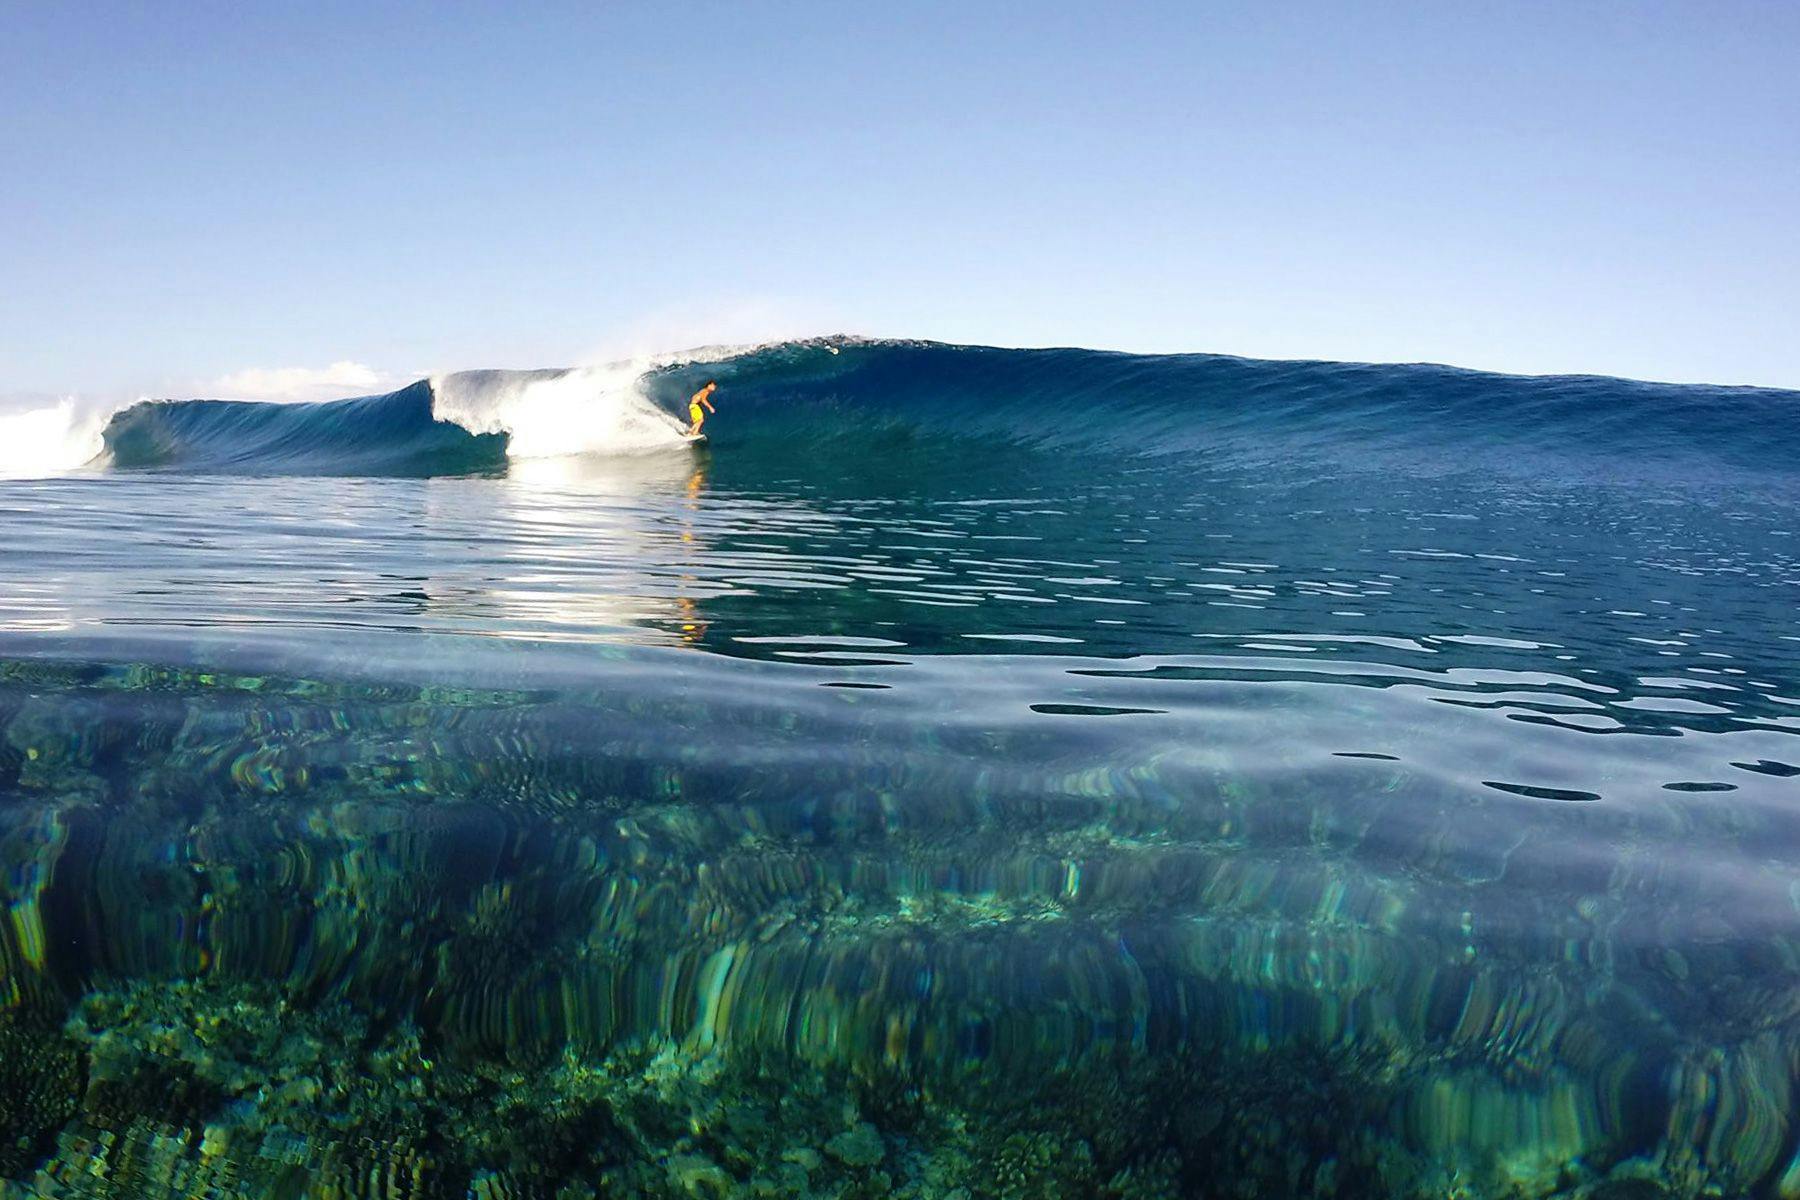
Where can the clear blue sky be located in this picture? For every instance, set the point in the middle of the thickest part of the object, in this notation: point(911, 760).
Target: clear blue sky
point(192, 190)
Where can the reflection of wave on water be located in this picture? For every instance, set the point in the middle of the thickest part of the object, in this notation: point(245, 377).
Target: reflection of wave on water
point(664, 547)
point(594, 550)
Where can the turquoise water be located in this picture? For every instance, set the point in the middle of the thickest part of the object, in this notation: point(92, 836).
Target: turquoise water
point(981, 773)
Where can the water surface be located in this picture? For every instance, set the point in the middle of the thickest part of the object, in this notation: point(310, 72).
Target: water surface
point(1033, 773)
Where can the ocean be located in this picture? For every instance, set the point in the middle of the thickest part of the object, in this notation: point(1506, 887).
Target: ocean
point(971, 773)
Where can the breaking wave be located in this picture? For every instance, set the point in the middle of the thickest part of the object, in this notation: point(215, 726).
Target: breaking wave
point(825, 396)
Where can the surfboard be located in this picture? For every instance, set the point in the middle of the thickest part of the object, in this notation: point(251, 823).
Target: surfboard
point(693, 439)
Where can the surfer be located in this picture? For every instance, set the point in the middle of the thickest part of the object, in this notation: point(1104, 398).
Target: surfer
point(696, 418)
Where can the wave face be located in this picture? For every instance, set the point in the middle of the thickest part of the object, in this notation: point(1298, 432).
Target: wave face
point(834, 395)
point(1245, 409)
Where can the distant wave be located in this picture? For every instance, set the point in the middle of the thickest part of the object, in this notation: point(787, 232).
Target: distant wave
point(397, 433)
point(825, 396)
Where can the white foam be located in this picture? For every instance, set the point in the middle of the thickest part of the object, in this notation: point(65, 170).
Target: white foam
point(580, 410)
point(583, 410)
point(48, 440)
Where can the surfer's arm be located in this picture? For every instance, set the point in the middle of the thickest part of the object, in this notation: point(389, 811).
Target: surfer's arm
point(708, 403)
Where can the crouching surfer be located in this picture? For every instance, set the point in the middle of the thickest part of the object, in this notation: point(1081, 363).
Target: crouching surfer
point(702, 399)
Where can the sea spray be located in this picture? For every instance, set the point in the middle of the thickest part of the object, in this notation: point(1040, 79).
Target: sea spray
point(50, 439)
point(543, 414)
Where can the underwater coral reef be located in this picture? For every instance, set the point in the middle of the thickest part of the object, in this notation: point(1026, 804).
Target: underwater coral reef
point(275, 937)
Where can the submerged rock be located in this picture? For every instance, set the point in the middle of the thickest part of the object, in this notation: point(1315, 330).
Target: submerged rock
point(40, 1089)
point(857, 1147)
